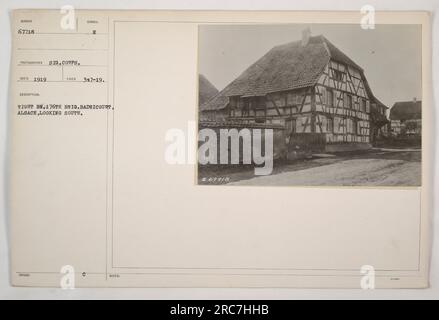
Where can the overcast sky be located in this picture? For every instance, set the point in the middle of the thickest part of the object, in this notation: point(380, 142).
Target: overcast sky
point(390, 55)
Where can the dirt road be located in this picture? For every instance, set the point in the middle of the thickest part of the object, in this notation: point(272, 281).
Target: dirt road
point(376, 167)
point(357, 172)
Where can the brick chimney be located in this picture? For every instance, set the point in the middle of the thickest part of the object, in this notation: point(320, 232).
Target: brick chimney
point(306, 34)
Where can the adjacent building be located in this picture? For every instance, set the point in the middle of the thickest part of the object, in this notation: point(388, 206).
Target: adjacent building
point(206, 90)
point(406, 118)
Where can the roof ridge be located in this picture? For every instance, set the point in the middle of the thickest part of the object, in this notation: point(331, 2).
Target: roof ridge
point(329, 44)
point(406, 101)
point(326, 45)
point(286, 66)
point(297, 41)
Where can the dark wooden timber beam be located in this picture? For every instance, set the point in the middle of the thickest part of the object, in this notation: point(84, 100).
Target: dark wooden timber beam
point(274, 104)
point(313, 110)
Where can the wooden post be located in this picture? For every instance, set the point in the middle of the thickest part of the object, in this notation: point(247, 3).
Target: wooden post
point(313, 110)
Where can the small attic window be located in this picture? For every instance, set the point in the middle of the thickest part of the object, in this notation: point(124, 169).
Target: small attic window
point(349, 101)
point(338, 75)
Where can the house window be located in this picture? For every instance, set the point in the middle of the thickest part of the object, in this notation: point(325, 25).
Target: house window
point(238, 103)
point(349, 101)
point(329, 125)
point(338, 75)
point(259, 103)
point(363, 105)
point(245, 107)
point(330, 98)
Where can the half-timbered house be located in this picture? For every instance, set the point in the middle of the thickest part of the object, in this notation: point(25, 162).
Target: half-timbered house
point(317, 93)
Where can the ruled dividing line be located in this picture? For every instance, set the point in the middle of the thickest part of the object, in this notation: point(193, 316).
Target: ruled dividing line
point(63, 49)
point(69, 81)
point(72, 33)
point(54, 272)
point(61, 65)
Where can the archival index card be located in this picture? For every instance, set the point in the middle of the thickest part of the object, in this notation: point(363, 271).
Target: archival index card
point(220, 149)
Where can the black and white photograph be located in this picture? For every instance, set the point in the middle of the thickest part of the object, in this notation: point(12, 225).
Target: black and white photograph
point(310, 105)
point(271, 152)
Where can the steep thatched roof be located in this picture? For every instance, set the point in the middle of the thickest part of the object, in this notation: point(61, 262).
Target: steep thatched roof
point(406, 110)
point(206, 90)
point(284, 67)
